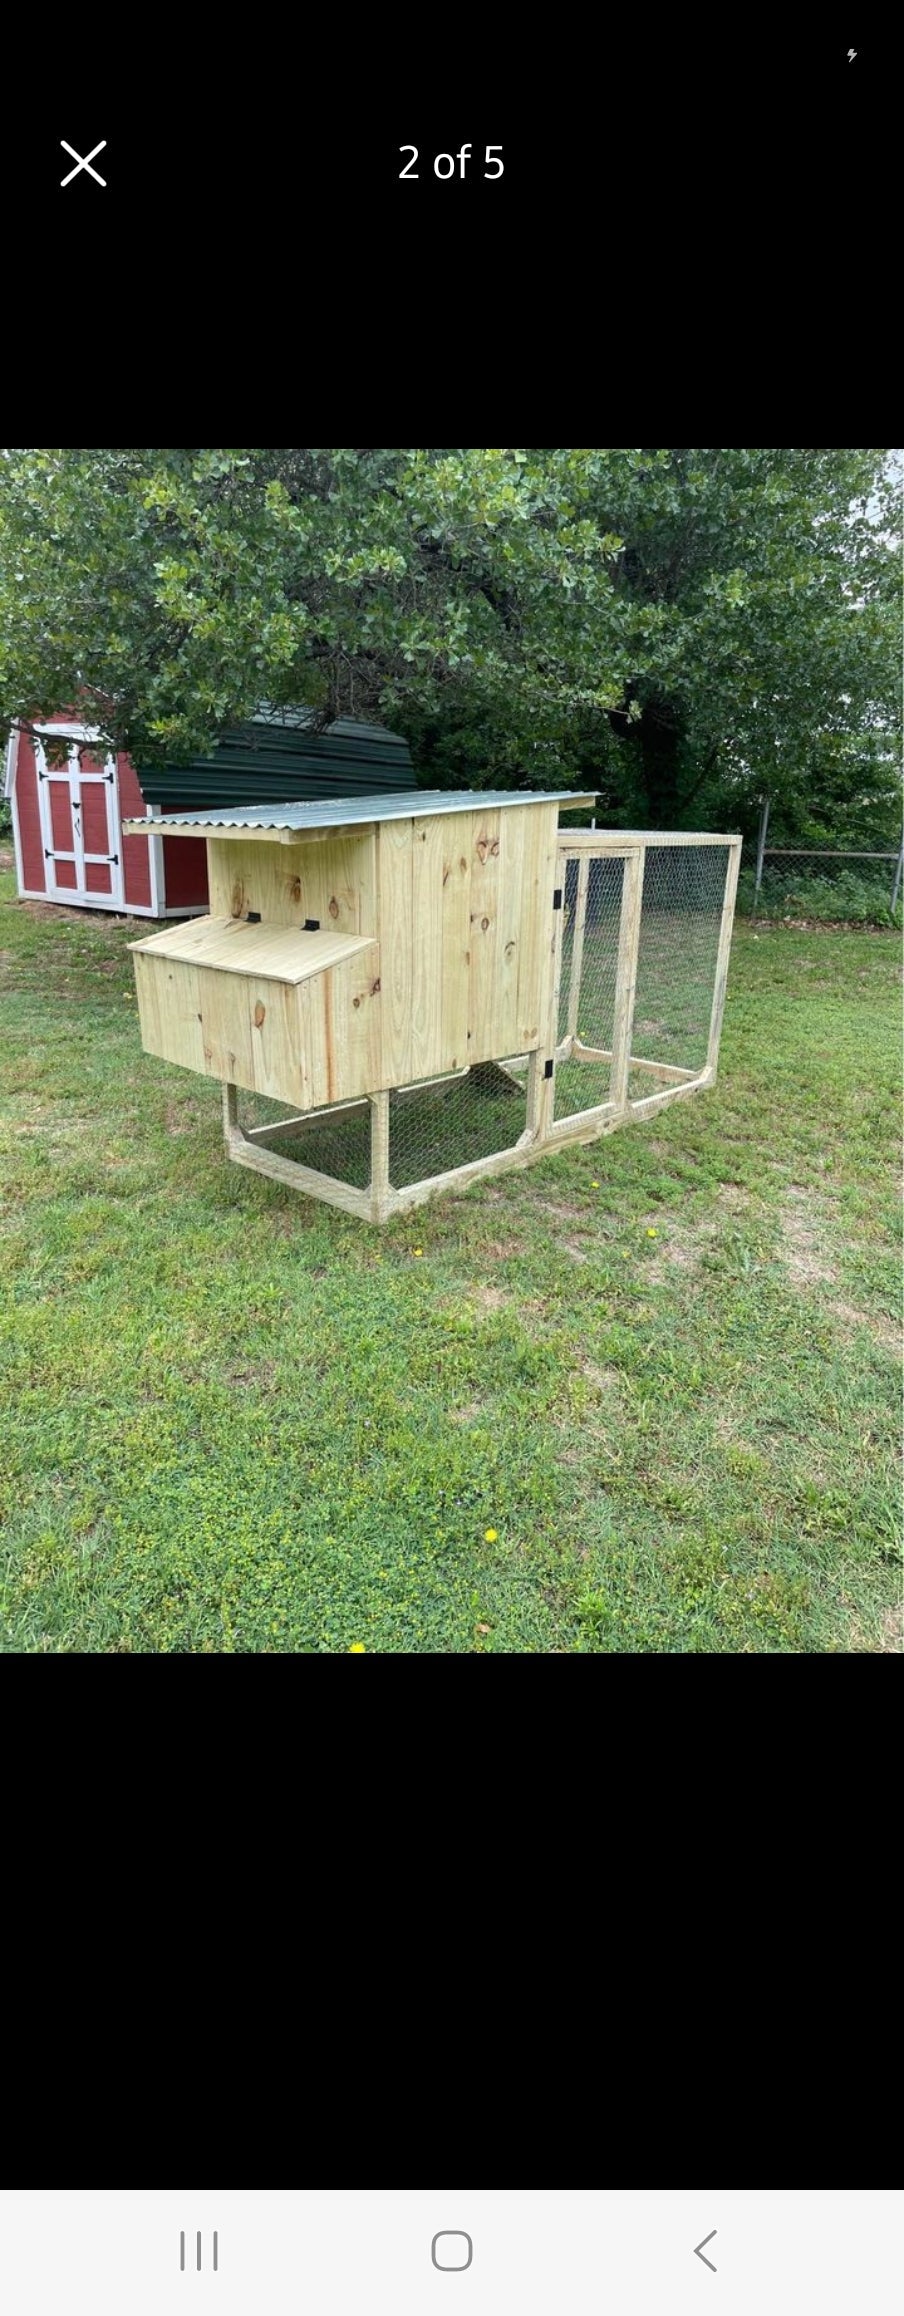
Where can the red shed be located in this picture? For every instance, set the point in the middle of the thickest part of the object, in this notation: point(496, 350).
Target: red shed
point(67, 830)
point(69, 802)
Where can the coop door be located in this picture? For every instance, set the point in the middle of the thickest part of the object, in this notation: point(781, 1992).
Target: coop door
point(80, 826)
point(595, 977)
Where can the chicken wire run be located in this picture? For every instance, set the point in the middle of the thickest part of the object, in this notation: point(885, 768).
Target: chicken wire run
point(551, 985)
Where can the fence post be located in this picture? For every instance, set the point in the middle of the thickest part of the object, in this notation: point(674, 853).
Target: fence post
point(896, 886)
point(760, 849)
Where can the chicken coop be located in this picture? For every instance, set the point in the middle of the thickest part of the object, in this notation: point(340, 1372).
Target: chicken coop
point(398, 1000)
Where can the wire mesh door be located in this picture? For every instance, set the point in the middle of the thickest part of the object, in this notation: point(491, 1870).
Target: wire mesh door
point(600, 897)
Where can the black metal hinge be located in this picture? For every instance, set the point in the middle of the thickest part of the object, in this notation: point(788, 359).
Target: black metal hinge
point(311, 925)
point(548, 1068)
point(557, 897)
point(253, 917)
point(114, 860)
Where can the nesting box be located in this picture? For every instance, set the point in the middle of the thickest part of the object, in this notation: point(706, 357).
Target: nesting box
point(439, 993)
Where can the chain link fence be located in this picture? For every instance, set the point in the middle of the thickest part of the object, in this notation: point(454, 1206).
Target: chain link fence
point(858, 883)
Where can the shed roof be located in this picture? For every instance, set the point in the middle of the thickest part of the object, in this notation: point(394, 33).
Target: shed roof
point(344, 811)
point(279, 754)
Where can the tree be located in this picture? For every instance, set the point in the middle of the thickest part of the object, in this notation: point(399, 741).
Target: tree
point(654, 624)
point(773, 577)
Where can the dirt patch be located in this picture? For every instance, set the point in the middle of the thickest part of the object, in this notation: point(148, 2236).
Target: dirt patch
point(561, 1212)
point(891, 1635)
point(259, 1378)
point(882, 1330)
point(602, 1378)
point(467, 1414)
point(675, 1246)
point(578, 1253)
point(731, 1195)
point(802, 1246)
point(489, 1298)
point(500, 1250)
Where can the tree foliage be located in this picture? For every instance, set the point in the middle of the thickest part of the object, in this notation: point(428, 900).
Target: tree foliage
point(666, 626)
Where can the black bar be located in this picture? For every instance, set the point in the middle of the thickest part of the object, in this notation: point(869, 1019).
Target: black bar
point(557, 897)
point(548, 1068)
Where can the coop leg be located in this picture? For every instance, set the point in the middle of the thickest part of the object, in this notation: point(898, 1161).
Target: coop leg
point(539, 1099)
point(230, 1113)
point(381, 1195)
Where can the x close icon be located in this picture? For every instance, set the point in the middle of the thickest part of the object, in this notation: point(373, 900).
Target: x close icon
point(83, 162)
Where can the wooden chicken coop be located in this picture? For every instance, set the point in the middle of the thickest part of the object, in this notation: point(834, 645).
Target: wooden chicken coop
point(437, 993)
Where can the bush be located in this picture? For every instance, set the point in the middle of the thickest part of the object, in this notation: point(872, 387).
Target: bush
point(838, 896)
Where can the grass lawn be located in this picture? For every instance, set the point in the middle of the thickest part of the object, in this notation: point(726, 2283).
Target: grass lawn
point(662, 1369)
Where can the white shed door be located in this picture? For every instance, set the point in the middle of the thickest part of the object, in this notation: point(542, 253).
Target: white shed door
point(79, 803)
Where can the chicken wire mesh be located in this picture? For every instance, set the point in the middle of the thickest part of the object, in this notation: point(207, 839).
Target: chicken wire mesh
point(592, 900)
point(335, 1142)
point(681, 917)
point(434, 1126)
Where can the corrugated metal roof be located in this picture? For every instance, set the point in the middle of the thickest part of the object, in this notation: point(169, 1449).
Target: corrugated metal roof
point(275, 756)
point(340, 812)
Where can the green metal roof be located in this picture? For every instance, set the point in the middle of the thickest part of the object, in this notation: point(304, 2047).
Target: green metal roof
point(272, 759)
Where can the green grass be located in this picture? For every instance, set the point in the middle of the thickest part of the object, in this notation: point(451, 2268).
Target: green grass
point(233, 1419)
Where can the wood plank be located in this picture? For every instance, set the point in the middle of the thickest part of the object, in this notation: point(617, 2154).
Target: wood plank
point(551, 928)
point(600, 1053)
point(242, 877)
point(275, 1039)
point(332, 880)
point(722, 955)
point(609, 840)
point(397, 940)
point(427, 856)
point(169, 1012)
point(355, 1015)
point(626, 975)
point(483, 944)
point(537, 930)
point(294, 1176)
point(516, 929)
point(277, 952)
point(653, 1102)
point(455, 913)
point(227, 1028)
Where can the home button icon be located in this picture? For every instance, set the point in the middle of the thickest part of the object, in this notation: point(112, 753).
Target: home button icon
point(452, 2240)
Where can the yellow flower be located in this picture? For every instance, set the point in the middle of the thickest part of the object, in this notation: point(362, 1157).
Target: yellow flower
point(491, 1535)
point(357, 1649)
point(652, 1234)
point(419, 1250)
point(594, 1186)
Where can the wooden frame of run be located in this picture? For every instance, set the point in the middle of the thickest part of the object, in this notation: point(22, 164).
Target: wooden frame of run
point(543, 1132)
